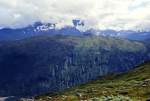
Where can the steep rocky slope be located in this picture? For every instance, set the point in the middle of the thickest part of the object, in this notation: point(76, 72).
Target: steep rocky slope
point(130, 86)
point(41, 64)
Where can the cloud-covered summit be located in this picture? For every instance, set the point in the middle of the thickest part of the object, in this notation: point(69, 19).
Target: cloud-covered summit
point(101, 14)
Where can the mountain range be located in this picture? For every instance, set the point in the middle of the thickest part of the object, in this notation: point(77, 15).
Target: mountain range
point(42, 58)
point(39, 28)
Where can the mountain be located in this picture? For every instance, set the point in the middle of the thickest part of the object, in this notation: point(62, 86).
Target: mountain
point(130, 86)
point(7, 34)
point(47, 29)
point(37, 29)
point(51, 63)
point(128, 34)
point(138, 36)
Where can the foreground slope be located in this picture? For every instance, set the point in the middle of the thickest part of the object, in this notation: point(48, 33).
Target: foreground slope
point(130, 86)
point(41, 64)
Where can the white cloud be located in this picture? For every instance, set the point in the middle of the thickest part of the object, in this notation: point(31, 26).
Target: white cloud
point(102, 14)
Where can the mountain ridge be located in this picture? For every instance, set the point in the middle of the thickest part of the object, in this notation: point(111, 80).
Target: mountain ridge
point(39, 28)
point(48, 63)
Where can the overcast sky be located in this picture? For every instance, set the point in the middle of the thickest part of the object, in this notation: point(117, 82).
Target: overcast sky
point(101, 14)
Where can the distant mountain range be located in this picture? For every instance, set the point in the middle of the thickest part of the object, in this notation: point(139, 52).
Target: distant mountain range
point(39, 28)
point(129, 34)
point(34, 30)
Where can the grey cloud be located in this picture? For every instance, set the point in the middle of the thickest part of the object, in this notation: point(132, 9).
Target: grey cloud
point(116, 14)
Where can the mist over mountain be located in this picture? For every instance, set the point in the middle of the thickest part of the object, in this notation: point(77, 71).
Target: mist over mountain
point(40, 28)
point(97, 14)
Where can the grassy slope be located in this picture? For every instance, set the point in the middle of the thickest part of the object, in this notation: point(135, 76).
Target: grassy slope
point(134, 84)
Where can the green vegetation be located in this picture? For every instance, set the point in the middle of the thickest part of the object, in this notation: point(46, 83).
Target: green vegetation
point(130, 86)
